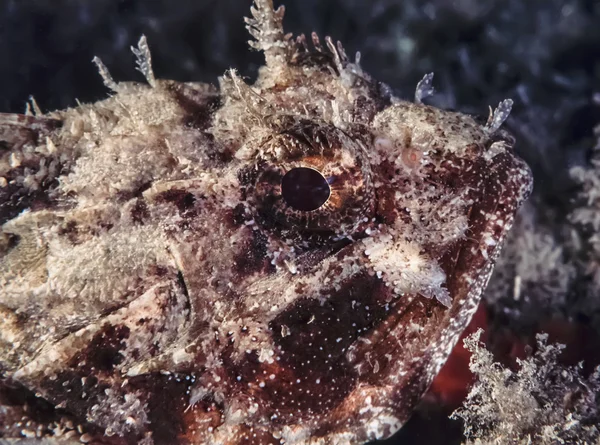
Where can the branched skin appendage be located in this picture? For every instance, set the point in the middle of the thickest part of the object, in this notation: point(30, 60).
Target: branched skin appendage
point(284, 262)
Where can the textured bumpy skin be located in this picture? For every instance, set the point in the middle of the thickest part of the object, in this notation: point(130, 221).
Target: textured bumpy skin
point(158, 286)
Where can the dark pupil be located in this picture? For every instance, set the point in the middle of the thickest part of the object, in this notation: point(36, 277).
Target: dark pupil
point(304, 189)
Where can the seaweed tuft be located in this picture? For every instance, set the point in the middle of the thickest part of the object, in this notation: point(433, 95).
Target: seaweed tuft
point(543, 402)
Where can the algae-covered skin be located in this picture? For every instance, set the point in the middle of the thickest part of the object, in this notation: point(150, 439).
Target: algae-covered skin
point(284, 262)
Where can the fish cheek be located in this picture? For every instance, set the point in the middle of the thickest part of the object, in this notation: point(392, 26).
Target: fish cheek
point(313, 337)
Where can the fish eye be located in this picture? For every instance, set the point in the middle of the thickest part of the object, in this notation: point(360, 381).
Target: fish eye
point(311, 178)
point(305, 189)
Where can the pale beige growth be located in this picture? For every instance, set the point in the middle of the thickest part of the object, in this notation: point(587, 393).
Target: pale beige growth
point(405, 268)
point(543, 402)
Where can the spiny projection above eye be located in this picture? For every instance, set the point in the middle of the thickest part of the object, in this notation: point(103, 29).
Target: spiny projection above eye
point(289, 261)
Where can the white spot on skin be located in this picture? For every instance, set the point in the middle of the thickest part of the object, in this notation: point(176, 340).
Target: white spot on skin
point(384, 144)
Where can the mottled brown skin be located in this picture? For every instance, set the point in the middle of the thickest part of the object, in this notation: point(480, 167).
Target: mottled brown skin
point(157, 287)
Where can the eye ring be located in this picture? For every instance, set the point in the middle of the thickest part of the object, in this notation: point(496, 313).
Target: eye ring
point(323, 158)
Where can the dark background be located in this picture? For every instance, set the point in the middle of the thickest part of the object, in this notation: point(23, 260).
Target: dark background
point(544, 54)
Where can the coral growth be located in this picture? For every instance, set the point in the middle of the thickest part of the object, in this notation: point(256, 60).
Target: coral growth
point(587, 216)
point(542, 403)
point(534, 274)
